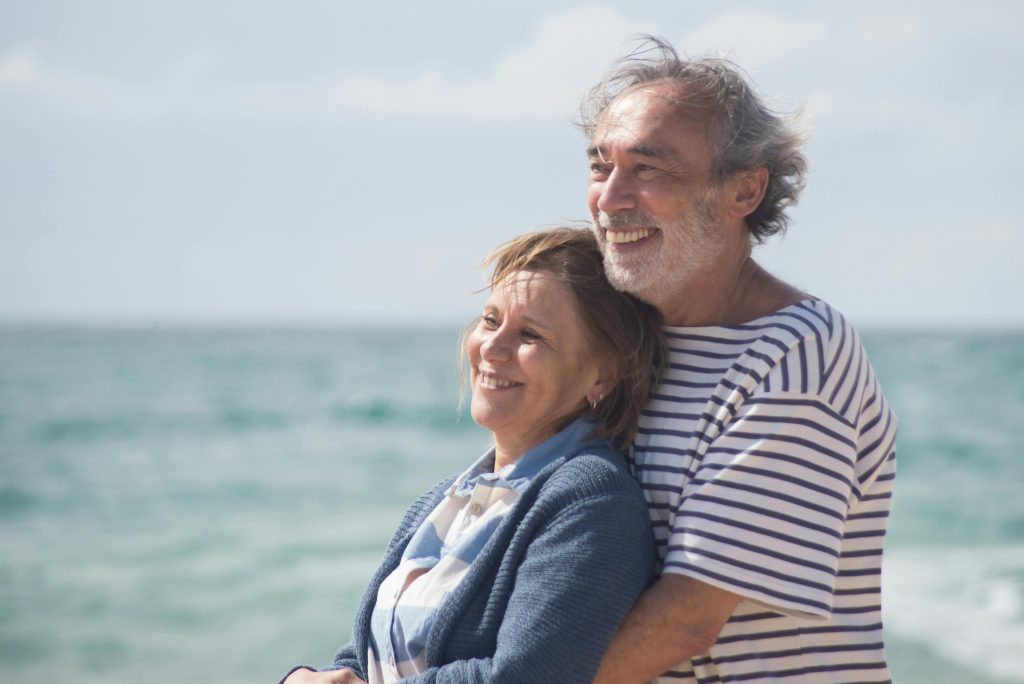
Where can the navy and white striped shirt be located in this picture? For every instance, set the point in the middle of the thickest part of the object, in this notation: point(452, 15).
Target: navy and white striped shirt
point(767, 457)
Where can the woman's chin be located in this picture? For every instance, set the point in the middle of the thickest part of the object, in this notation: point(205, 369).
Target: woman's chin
point(483, 414)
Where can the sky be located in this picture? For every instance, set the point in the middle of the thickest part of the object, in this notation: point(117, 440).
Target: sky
point(340, 162)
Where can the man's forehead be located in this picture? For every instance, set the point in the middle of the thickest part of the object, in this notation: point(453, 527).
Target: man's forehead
point(652, 120)
point(661, 97)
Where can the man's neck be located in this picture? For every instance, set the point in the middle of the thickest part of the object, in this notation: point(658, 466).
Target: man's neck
point(738, 293)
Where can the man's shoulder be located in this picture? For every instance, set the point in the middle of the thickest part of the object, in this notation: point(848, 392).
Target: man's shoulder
point(807, 348)
point(810, 324)
point(824, 358)
point(827, 328)
point(807, 318)
point(767, 339)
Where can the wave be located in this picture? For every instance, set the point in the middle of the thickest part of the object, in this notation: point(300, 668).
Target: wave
point(368, 412)
point(384, 411)
point(966, 604)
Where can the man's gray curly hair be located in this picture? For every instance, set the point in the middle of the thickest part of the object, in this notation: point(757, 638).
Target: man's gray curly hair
point(744, 133)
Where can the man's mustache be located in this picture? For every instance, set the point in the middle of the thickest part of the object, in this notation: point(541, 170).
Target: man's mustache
point(629, 218)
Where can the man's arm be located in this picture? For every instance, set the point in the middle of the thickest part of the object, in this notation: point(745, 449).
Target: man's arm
point(677, 618)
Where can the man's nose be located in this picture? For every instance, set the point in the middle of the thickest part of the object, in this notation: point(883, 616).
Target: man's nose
point(616, 193)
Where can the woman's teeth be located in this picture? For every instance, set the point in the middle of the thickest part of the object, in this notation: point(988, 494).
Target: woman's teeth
point(491, 382)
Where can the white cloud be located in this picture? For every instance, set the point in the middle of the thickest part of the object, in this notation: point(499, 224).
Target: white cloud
point(24, 76)
point(18, 69)
point(541, 79)
point(889, 28)
point(754, 38)
point(190, 87)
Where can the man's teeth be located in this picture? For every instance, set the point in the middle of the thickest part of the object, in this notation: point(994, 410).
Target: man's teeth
point(624, 236)
point(491, 382)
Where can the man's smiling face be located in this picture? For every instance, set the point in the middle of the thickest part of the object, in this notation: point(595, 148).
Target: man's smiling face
point(651, 194)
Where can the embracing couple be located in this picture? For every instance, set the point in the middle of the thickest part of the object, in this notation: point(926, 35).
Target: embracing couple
point(693, 461)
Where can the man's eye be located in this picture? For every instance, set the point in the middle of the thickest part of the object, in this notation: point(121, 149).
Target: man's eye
point(599, 169)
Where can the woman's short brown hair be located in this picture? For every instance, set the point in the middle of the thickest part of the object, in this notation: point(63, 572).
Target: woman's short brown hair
point(624, 331)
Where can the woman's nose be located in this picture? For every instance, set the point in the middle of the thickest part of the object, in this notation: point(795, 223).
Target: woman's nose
point(495, 345)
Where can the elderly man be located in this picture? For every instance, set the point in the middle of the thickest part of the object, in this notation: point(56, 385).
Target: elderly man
point(767, 454)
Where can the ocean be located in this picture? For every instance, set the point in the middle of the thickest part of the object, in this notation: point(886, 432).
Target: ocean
point(187, 503)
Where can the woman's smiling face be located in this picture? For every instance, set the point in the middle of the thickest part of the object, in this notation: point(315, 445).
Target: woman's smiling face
point(531, 364)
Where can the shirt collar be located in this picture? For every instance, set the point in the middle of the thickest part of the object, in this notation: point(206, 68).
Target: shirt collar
point(520, 472)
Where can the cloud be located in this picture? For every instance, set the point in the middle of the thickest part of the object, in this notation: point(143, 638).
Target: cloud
point(541, 79)
point(755, 38)
point(889, 28)
point(27, 78)
point(19, 69)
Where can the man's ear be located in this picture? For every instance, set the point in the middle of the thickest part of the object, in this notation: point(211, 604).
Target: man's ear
point(748, 188)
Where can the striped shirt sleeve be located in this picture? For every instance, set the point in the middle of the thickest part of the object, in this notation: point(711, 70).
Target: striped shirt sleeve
point(763, 514)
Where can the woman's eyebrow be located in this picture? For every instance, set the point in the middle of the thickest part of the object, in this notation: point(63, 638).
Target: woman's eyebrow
point(536, 323)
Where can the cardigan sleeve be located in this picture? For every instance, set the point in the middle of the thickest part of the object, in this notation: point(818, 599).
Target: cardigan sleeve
point(579, 577)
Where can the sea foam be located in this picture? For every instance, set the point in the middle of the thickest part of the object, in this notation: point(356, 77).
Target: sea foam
point(966, 604)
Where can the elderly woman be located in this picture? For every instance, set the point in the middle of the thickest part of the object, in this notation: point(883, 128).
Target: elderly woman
point(521, 568)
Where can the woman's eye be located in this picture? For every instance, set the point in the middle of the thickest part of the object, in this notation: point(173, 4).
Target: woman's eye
point(489, 321)
point(530, 335)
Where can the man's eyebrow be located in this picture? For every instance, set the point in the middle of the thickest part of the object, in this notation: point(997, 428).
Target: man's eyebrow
point(642, 150)
point(652, 151)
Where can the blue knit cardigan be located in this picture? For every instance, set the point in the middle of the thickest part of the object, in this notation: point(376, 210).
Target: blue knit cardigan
point(544, 598)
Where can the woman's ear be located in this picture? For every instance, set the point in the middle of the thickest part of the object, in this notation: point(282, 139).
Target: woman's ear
point(608, 377)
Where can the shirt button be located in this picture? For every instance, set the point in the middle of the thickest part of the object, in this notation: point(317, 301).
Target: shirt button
point(475, 509)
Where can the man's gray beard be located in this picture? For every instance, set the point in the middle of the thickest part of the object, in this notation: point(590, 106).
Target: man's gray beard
point(687, 246)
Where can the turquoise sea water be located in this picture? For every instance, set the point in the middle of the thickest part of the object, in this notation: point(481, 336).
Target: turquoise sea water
point(186, 503)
